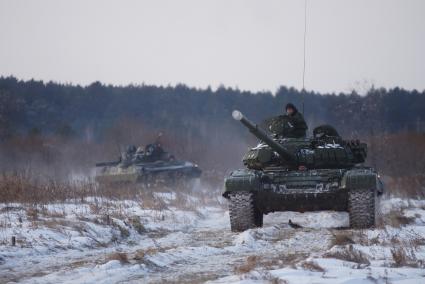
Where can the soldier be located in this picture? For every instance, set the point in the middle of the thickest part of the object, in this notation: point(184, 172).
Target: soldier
point(296, 122)
point(154, 151)
point(128, 155)
point(138, 156)
point(289, 125)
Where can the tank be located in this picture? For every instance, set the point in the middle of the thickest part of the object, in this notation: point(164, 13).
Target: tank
point(148, 166)
point(323, 172)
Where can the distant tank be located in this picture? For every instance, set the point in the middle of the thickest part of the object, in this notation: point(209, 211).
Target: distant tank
point(324, 172)
point(148, 166)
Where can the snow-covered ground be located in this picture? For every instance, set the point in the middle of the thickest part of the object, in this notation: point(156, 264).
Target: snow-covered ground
point(186, 238)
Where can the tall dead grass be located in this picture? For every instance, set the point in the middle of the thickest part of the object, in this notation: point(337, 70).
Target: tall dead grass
point(23, 187)
point(26, 188)
point(400, 158)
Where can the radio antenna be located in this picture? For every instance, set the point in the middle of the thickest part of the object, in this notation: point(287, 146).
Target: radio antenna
point(305, 37)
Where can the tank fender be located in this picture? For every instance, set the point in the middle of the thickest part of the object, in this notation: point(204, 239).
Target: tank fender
point(242, 180)
point(360, 179)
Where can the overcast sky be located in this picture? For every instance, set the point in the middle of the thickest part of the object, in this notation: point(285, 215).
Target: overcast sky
point(254, 45)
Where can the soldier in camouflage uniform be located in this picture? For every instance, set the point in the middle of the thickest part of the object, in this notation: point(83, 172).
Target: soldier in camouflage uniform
point(128, 155)
point(299, 126)
point(289, 125)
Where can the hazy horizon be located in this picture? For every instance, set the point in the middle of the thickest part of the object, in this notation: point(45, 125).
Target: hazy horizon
point(251, 45)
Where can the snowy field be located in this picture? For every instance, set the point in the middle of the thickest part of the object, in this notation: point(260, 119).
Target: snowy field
point(186, 238)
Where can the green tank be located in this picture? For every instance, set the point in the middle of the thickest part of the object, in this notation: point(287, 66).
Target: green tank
point(150, 166)
point(324, 172)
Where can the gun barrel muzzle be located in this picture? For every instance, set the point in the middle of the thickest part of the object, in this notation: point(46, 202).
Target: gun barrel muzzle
point(237, 115)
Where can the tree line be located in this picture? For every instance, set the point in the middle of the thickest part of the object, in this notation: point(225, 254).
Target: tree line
point(28, 106)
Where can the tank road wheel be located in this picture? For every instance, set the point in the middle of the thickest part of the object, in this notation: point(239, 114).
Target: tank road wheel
point(362, 205)
point(243, 213)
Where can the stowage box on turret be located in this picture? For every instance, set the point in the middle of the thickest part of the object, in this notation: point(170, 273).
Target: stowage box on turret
point(302, 174)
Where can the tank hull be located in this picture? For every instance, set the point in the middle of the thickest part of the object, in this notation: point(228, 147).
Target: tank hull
point(148, 174)
point(309, 190)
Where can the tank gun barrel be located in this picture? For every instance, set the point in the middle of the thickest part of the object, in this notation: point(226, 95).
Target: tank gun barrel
point(260, 134)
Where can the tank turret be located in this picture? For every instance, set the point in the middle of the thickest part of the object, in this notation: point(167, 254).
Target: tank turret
point(325, 150)
point(260, 134)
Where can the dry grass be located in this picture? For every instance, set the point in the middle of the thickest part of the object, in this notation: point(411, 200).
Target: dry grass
point(57, 224)
point(312, 266)
point(139, 255)
point(32, 213)
point(350, 237)
point(396, 218)
point(137, 224)
point(403, 257)
point(349, 254)
point(181, 201)
point(120, 256)
point(124, 232)
point(282, 259)
point(417, 242)
point(123, 191)
point(400, 158)
point(23, 187)
point(342, 238)
point(53, 213)
point(26, 189)
point(408, 186)
point(250, 264)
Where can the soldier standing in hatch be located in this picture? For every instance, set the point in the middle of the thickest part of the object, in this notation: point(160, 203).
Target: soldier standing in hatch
point(288, 125)
point(296, 122)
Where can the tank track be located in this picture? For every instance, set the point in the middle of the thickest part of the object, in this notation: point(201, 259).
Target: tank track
point(362, 207)
point(243, 213)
